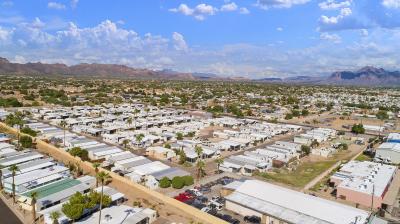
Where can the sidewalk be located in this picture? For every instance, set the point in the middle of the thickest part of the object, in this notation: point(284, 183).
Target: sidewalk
point(12, 211)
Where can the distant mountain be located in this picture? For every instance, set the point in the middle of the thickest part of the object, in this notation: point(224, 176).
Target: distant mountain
point(92, 70)
point(366, 76)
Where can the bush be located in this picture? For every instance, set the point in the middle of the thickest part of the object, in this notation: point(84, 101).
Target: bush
point(358, 129)
point(305, 149)
point(29, 131)
point(178, 182)
point(188, 180)
point(26, 141)
point(165, 182)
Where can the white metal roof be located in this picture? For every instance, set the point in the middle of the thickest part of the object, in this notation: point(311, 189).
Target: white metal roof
point(293, 206)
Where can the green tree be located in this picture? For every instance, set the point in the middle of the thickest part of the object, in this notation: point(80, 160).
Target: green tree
point(188, 180)
point(13, 169)
point(305, 149)
point(178, 182)
point(200, 165)
point(63, 124)
point(54, 216)
point(34, 197)
point(103, 177)
point(382, 115)
point(179, 136)
point(219, 161)
point(358, 129)
point(125, 143)
point(26, 141)
point(74, 208)
point(165, 182)
point(96, 166)
point(199, 151)
point(182, 157)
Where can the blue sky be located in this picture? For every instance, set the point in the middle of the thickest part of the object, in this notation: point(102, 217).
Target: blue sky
point(252, 38)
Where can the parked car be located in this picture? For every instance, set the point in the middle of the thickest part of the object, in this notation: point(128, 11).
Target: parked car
point(252, 219)
point(206, 209)
point(235, 221)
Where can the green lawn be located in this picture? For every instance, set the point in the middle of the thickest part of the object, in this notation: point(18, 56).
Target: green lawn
point(302, 175)
point(306, 171)
point(363, 157)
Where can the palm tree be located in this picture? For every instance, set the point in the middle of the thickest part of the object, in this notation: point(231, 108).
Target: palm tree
point(199, 151)
point(103, 177)
point(13, 169)
point(139, 138)
point(96, 166)
point(129, 121)
point(200, 169)
point(1, 177)
point(63, 124)
point(34, 196)
point(219, 161)
point(55, 216)
point(125, 143)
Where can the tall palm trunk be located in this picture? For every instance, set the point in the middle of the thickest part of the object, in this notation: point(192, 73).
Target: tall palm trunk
point(34, 211)
point(101, 200)
point(1, 179)
point(13, 187)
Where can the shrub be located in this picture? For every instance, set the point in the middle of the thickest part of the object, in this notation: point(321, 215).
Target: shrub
point(178, 182)
point(164, 182)
point(188, 180)
point(26, 141)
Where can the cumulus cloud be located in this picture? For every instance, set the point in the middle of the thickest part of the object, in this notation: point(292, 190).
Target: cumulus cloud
point(332, 4)
point(344, 12)
point(55, 5)
point(393, 4)
point(74, 3)
point(266, 4)
point(244, 10)
point(229, 7)
point(331, 37)
point(199, 12)
point(179, 42)
point(280, 29)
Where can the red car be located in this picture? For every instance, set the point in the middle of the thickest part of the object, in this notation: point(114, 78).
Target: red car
point(184, 197)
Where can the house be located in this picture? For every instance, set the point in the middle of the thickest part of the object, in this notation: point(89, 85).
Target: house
point(122, 214)
point(365, 183)
point(34, 179)
point(388, 152)
point(56, 193)
point(161, 153)
point(275, 204)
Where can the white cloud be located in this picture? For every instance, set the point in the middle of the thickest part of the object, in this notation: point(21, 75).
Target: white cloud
point(244, 10)
point(179, 42)
point(229, 7)
point(280, 29)
point(5, 34)
point(7, 3)
point(74, 3)
point(331, 37)
point(344, 12)
point(364, 32)
point(55, 5)
point(266, 4)
point(332, 4)
point(392, 4)
point(184, 9)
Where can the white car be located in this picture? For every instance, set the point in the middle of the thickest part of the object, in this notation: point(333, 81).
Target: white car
point(206, 209)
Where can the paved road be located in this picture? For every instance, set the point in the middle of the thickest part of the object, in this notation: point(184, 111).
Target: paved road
point(7, 216)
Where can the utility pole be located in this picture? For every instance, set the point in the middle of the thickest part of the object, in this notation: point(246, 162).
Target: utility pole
point(372, 198)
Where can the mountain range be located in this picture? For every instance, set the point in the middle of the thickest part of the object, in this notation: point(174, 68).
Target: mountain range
point(368, 76)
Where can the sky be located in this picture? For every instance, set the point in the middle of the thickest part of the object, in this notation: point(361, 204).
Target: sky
point(246, 38)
